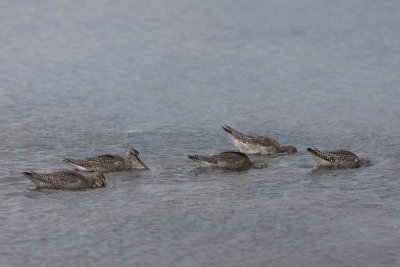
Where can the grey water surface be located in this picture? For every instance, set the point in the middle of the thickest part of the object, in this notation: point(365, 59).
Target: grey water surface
point(80, 78)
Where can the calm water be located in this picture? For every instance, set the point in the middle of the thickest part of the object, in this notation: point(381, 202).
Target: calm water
point(82, 78)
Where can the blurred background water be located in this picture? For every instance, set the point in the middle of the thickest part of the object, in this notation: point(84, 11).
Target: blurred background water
point(80, 78)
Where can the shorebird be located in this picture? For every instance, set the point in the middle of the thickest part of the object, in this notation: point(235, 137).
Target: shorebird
point(338, 158)
point(108, 163)
point(230, 160)
point(69, 180)
point(256, 144)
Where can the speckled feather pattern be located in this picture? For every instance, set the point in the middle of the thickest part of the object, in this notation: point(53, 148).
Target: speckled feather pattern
point(252, 144)
point(103, 163)
point(68, 180)
point(227, 160)
point(337, 158)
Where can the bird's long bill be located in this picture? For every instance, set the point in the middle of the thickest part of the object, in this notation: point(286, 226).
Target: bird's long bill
point(142, 163)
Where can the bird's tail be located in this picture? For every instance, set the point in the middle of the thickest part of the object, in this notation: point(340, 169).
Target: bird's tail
point(195, 157)
point(231, 131)
point(68, 160)
point(28, 174)
point(313, 151)
point(319, 154)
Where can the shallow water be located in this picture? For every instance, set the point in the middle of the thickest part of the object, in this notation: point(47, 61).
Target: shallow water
point(80, 79)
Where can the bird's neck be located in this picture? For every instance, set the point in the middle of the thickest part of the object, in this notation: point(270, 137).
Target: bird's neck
point(283, 149)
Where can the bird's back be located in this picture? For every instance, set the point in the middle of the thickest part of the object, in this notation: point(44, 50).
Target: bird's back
point(227, 160)
point(252, 144)
point(337, 158)
point(102, 163)
point(58, 180)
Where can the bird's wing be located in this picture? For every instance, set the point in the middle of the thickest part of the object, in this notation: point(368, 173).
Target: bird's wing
point(253, 139)
point(59, 179)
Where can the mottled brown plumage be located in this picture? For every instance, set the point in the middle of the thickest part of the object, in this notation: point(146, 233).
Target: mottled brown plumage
point(108, 163)
point(68, 180)
point(230, 160)
point(338, 158)
point(250, 144)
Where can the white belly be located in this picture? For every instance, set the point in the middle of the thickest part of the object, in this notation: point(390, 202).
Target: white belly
point(79, 168)
point(321, 162)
